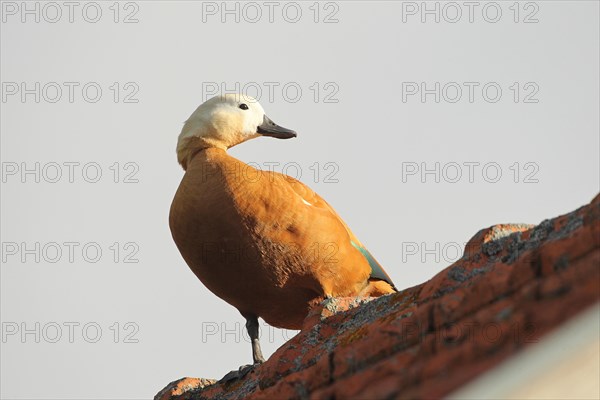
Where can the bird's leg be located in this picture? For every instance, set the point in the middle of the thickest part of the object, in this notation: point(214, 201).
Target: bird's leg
point(252, 328)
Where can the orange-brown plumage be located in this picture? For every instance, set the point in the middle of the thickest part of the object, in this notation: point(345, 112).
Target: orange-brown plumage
point(249, 236)
point(262, 241)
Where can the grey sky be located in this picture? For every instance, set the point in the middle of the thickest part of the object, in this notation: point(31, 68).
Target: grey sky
point(360, 117)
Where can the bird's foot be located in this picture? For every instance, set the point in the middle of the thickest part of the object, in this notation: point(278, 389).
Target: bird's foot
point(239, 373)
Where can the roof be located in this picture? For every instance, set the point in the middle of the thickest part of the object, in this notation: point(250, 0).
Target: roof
point(513, 285)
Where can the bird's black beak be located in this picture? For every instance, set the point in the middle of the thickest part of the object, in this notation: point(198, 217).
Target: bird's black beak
point(270, 128)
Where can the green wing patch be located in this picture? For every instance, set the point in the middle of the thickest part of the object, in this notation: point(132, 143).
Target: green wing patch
point(377, 271)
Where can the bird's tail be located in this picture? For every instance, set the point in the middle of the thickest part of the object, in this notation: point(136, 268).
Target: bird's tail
point(376, 288)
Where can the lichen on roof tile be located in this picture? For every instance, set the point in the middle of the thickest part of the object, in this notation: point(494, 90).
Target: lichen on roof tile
point(515, 283)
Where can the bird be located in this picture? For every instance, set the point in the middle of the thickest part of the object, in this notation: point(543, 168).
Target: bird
point(262, 241)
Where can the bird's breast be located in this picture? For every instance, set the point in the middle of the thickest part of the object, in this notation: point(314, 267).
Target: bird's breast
point(221, 228)
point(250, 237)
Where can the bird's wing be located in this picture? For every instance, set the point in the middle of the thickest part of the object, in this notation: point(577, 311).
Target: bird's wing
point(313, 199)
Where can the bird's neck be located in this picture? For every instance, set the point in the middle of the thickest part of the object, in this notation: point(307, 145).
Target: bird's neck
point(208, 155)
point(195, 146)
point(213, 166)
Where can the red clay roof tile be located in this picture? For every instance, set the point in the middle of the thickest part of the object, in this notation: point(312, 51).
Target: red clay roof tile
point(514, 284)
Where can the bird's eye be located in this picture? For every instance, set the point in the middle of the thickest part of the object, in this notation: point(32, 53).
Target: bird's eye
point(243, 106)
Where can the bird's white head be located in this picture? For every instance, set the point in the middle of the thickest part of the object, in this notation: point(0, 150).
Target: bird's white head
point(224, 121)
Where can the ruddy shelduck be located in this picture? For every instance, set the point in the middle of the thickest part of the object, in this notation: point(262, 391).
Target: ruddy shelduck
point(262, 241)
